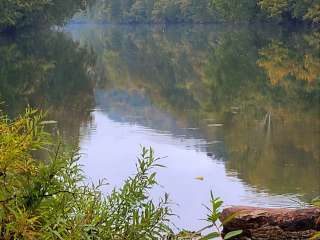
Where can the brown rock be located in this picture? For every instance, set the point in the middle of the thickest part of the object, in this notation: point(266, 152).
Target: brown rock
point(272, 223)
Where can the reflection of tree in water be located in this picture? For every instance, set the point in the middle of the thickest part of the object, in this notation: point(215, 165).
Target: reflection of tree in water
point(273, 141)
point(204, 76)
point(51, 72)
point(301, 61)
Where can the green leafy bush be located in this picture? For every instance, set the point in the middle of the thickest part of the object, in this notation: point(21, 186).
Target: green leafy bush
point(48, 199)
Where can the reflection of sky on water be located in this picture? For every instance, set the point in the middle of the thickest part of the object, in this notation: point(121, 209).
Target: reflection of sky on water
point(135, 108)
point(114, 140)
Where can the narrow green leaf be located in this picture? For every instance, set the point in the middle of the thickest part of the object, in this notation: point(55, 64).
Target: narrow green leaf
point(57, 234)
point(232, 234)
point(230, 218)
point(210, 236)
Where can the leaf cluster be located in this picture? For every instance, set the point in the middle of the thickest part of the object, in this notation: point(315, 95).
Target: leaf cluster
point(213, 218)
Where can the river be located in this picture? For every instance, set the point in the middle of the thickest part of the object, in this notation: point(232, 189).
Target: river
point(228, 108)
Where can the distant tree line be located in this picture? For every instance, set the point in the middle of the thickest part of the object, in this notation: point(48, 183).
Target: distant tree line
point(276, 10)
point(201, 11)
point(21, 13)
point(145, 11)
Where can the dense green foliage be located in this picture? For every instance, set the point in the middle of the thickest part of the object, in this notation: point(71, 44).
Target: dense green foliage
point(17, 13)
point(199, 11)
point(21, 13)
point(48, 199)
point(137, 11)
point(275, 10)
point(292, 9)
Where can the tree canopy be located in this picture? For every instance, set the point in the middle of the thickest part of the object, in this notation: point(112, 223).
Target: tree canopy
point(145, 11)
point(20, 13)
point(200, 11)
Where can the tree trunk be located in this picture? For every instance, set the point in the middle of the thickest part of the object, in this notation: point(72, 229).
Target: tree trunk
point(272, 223)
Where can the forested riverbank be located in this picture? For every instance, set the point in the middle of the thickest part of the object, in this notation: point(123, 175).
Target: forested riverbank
point(206, 11)
point(15, 14)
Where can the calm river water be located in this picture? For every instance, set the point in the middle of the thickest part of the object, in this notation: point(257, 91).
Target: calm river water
point(233, 109)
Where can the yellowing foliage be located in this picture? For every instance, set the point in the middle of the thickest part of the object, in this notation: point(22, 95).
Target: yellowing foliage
point(279, 64)
point(274, 7)
point(313, 13)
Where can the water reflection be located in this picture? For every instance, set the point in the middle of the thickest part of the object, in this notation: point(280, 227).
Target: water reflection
point(110, 147)
point(238, 106)
point(48, 70)
point(253, 94)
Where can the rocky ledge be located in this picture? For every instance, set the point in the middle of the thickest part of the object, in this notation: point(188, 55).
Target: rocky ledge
point(272, 223)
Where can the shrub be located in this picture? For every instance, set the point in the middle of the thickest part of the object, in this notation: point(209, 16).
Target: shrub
point(48, 198)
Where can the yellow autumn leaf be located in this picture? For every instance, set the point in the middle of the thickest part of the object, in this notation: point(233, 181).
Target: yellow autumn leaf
point(200, 178)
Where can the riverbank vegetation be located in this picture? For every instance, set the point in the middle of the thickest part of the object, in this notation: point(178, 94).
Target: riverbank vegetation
point(204, 11)
point(17, 14)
